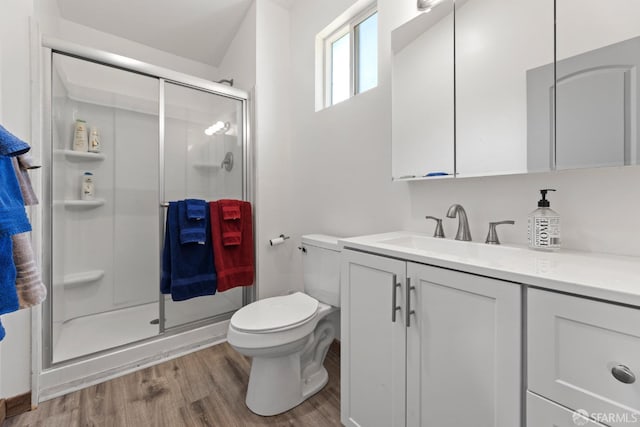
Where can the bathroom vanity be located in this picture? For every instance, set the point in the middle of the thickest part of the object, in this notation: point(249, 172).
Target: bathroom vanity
point(444, 333)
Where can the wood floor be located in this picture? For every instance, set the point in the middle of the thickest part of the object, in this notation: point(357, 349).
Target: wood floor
point(206, 388)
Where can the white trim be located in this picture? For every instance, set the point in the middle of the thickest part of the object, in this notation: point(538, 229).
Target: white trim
point(36, 71)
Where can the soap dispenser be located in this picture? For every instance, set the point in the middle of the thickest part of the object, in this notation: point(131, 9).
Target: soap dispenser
point(544, 225)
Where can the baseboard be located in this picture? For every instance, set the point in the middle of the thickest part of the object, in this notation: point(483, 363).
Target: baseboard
point(18, 405)
point(3, 411)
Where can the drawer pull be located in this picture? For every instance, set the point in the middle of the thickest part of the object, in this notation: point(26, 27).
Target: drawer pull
point(623, 374)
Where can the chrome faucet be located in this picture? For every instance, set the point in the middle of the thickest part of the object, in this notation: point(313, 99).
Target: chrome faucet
point(463, 224)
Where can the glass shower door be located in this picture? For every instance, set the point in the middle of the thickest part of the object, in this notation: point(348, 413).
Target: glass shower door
point(203, 143)
point(104, 219)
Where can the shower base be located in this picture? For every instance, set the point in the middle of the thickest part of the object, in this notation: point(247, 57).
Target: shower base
point(98, 332)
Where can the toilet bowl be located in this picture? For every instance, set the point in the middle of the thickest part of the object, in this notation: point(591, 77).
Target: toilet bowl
point(288, 336)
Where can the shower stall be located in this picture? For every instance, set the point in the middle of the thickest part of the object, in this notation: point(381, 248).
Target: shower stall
point(161, 136)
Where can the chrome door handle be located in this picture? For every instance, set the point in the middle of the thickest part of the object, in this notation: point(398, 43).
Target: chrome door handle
point(394, 297)
point(623, 374)
point(408, 310)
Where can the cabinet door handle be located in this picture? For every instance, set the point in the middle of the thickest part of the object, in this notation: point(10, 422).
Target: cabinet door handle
point(408, 310)
point(623, 374)
point(394, 297)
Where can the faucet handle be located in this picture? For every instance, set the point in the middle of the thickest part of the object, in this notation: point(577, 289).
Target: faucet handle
point(439, 231)
point(492, 236)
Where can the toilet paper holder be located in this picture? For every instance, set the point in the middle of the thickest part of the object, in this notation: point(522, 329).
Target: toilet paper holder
point(278, 240)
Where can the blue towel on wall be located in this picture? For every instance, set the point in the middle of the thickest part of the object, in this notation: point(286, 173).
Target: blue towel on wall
point(8, 293)
point(192, 230)
point(188, 270)
point(2, 333)
point(196, 209)
point(11, 145)
point(13, 217)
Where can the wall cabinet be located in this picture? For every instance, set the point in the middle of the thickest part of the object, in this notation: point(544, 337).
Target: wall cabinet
point(427, 346)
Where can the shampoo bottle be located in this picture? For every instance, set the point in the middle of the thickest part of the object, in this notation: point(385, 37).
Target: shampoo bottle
point(80, 142)
point(88, 187)
point(544, 225)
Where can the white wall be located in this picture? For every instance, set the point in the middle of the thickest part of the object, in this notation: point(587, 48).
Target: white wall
point(239, 63)
point(273, 148)
point(53, 25)
point(15, 349)
point(341, 156)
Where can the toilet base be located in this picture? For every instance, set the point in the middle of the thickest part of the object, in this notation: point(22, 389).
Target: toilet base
point(278, 384)
point(275, 386)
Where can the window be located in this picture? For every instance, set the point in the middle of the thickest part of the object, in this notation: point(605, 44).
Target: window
point(350, 56)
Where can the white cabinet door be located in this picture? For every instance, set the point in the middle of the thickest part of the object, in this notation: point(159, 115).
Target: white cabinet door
point(463, 350)
point(545, 413)
point(373, 346)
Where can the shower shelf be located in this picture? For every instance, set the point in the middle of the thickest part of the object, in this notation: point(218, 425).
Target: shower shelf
point(206, 165)
point(81, 155)
point(83, 203)
point(76, 279)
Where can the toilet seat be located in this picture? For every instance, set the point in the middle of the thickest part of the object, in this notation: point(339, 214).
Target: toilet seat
point(275, 314)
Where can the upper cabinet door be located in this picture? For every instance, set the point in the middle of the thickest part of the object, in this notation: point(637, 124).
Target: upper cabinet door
point(423, 95)
point(598, 69)
point(499, 46)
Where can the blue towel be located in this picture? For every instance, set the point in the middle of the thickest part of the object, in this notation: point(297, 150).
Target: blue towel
point(11, 145)
point(191, 231)
point(188, 270)
point(8, 294)
point(2, 333)
point(13, 217)
point(196, 209)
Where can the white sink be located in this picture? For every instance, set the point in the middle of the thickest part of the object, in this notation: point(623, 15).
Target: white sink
point(449, 246)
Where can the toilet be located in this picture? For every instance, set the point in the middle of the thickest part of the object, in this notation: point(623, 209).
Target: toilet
point(288, 336)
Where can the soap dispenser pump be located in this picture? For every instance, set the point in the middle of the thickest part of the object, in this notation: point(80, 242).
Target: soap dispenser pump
point(544, 225)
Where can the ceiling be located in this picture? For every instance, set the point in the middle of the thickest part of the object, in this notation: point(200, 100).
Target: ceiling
point(200, 30)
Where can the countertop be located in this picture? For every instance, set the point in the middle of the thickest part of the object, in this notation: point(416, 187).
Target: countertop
point(612, 278)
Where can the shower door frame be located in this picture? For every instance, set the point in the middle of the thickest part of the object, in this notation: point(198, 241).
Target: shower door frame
point(50, 46)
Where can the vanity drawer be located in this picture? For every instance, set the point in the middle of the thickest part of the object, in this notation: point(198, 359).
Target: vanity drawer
point(545, 413)
point(574, 347)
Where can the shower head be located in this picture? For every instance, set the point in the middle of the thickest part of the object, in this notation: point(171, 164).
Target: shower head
point(427, 5)
point(227, 81)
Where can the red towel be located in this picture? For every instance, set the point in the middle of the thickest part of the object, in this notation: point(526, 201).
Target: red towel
point(230, 224)
point(232, 243)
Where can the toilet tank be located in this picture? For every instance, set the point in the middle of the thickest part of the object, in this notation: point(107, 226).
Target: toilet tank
point(321, 268)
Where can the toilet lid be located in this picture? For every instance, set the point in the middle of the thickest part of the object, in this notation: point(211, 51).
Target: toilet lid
point(275, 313)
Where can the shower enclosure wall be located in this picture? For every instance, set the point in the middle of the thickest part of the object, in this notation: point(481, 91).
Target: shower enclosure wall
point(161, 139)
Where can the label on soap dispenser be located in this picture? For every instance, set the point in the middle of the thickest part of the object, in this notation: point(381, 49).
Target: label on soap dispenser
point(544, 232)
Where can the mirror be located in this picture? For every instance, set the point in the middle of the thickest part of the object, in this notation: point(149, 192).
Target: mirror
point(517, 108)
point(498, 43)
point(598, 71)
point(422, 96)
